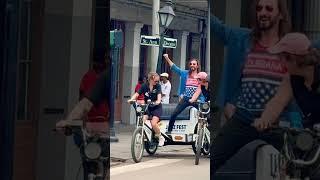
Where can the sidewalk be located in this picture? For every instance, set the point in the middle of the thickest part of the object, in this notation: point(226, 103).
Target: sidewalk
point(120, 151)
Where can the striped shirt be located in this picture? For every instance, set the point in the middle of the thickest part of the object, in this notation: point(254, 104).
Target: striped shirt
point(191, 86)
point(261, 77)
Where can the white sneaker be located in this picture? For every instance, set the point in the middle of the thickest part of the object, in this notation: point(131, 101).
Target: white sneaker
point(161, 141)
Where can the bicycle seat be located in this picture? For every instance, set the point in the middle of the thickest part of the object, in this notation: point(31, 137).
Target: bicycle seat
point(168, 109)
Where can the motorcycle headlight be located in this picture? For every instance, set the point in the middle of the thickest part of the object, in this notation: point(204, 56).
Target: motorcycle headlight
point(205, 106)
point(304, 141)
point(92, 150)
point(139, 109)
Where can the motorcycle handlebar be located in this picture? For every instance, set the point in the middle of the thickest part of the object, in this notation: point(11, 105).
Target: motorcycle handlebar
point(303, 162)
point(286, 151)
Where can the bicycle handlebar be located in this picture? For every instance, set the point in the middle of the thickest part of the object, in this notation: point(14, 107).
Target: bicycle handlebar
point(200, 109)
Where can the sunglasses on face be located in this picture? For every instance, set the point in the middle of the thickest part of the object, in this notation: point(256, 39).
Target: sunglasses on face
point(203, 80)
point(259, 8)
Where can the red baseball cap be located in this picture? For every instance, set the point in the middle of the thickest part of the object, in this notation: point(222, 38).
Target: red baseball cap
point(202, 75)
point(292, 43)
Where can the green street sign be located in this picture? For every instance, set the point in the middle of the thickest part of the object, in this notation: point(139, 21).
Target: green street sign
point(150, 40)
point(170, 43)
point(155, 41)
point(116, 39)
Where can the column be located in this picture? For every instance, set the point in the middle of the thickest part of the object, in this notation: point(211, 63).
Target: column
point(80, 55)
point(179, 58)
point(196, 46)
point(131, 69)
point(233, 13)
point(311, 19)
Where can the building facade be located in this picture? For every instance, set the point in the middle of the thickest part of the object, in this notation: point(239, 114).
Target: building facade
point(135, 18)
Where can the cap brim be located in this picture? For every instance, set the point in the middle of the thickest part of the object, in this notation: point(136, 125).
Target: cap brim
point(276, 49)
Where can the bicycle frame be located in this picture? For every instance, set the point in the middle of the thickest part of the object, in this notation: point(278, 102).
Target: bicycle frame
point(203, 122)
point(146, 130)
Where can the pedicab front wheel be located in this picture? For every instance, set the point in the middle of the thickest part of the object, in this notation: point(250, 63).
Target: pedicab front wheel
point(137, 145)
point(198, 146)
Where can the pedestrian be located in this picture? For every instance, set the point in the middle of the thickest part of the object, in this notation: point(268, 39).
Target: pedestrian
point(97, 114)
point(165, 88)
point(140, 98)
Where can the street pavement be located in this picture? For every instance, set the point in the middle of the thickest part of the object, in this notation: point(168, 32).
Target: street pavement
point(169, 162)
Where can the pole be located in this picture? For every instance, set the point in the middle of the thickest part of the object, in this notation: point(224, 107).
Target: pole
point(114, 60)
point(155, 31)
point(160, 53)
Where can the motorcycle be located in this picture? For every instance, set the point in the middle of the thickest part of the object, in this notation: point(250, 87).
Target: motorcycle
point(300, 152)
point(93, 147)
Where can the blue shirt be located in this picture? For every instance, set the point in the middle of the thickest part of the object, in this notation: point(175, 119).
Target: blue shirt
point(183, 80)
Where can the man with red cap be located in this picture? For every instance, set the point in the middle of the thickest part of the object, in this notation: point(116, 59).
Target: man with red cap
point(302, 82)
point(204, 88)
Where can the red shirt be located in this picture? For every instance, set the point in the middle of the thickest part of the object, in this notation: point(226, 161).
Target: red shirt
point(97, 113)
point(141, 96)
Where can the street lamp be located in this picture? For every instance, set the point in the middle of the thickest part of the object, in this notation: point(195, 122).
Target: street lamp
point(166, 15)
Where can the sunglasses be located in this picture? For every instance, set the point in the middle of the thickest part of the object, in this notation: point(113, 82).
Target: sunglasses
point(260, 8)
point(203, 80)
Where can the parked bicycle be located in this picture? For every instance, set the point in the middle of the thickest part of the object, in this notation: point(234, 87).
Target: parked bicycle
point(202, 142)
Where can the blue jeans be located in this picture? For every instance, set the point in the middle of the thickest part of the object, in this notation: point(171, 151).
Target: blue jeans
point(235, 134)
point(184, 102)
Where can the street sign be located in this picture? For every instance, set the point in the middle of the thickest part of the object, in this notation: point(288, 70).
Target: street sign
point(150, 40)
point(170, 43)
point(155, 41)
point(116, 39)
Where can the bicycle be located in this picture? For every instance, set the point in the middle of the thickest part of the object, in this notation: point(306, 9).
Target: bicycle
point(143, 135)
point(202, 142)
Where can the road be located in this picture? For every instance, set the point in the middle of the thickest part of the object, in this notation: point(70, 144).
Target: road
point(169, 162)
point(164, 166)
